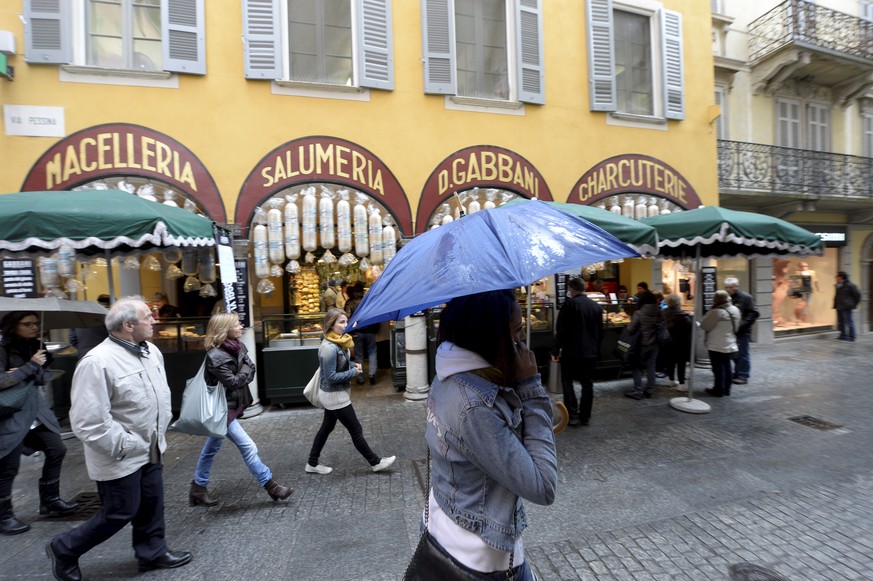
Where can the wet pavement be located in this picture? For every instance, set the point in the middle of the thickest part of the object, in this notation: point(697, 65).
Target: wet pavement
point(646, 491)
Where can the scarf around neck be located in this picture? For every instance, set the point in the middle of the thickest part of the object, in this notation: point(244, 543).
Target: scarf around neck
point(345, 341)
point(233, 346)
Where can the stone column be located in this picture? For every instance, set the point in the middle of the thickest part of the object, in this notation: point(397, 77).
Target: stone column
point(417, 386)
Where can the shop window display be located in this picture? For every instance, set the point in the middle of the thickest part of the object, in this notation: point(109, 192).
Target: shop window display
point(313, 236)
point(803, 291)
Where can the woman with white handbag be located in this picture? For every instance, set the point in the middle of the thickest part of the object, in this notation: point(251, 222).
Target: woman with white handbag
point(336, 374)
point(228, 363)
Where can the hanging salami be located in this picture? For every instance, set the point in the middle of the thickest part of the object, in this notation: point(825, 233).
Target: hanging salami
point(275, 239)
point(292, 228)
point(362, 245)
point(310, 239)
point(325, 219)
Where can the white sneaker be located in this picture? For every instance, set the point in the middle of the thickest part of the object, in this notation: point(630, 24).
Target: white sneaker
point(320, 469)
point(681, 387)
point(384, 463)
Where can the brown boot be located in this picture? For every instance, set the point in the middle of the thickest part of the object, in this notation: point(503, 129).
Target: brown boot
point(277, 491)
point(200, 495)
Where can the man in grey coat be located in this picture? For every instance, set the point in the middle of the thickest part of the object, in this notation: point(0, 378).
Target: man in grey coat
point(120, 411)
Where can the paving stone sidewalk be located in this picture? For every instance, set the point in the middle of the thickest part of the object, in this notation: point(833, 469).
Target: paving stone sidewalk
point(646, 492)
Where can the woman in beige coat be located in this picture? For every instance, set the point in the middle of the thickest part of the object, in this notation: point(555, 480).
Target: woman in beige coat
point(720, 325)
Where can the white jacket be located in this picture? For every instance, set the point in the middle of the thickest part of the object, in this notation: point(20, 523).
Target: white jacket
point(719, 328)
point(120, 409)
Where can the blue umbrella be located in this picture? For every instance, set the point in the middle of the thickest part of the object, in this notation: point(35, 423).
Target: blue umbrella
point(495, 249)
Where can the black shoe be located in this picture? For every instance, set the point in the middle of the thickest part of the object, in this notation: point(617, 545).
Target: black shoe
point(637, 395)
point(62, 569)
point(713, 392)
point(359, 380)
point(647, 394)
point(372, 380)
point(574, 421)
point(169, 560)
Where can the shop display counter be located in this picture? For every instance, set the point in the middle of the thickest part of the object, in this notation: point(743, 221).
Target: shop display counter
point(289, 355)
point(616, 316)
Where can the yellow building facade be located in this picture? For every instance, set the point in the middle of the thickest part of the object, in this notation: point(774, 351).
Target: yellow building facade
point(405, 103)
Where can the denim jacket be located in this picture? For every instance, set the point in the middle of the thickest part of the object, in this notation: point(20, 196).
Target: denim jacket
point(336, 373)
point(489, 446)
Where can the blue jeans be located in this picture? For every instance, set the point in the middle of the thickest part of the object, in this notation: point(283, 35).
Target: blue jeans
point(845, 324)
point(365, 344)
point(743, 363)
point(721, 371)
point(247, 447)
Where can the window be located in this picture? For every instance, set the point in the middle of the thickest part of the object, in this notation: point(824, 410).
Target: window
point(121, 35)
point(341, 43)
point(124, 34)
point(867, 10)
point(721, 124)
point(793, 130)
point(484, 49)
point(635, 64)
point(867, 134)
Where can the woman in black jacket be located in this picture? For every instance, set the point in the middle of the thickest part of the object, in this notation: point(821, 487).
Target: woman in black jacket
point(228, 363)
point(645, 321)
point(34, 427)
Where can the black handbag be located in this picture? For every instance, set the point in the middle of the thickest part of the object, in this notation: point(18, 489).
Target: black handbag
point(628, 345)
point(430, 562)
point(12, 399)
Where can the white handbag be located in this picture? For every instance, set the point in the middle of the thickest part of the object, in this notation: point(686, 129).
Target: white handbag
point(204, 408)
point(312, 388)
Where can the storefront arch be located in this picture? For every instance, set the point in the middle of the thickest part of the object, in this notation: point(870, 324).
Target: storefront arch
point(633, 173)
point(482, 167)
point(323, 159)
point(118, 150)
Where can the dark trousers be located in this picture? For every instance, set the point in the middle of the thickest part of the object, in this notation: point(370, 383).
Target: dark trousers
point(39, 438)
point(674, 363)
point(721, 369)
point(845, 324)
point(137, 499)
point(579, 369)
point(349, 419)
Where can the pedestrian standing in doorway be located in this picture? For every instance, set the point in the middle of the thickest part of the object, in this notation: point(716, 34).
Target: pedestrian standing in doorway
point(748, 315)
point(579, 330)
point(846, 300)
point(336, 375)
point(228, 363)
point(120, 411)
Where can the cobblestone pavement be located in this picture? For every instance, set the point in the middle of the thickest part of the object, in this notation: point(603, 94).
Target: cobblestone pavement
point(646, 492)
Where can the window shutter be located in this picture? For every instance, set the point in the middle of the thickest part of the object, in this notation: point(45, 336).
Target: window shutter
point(262, 43)
point(439, 46)
point(47, 32)
point(375, 44)
point(183, 36)
point(867, 10)
point(601, 56)
point(671, 51)
point(531, 76)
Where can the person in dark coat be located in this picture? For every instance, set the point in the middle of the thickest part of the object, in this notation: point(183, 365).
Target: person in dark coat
point(34, 427)
point(678, 352)
point(749, 314)
point(645, 321)
point(579, 330)
point(846, 299)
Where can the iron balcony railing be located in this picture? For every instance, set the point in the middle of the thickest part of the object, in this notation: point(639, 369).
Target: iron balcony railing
point(769, 169)
point(803, 22)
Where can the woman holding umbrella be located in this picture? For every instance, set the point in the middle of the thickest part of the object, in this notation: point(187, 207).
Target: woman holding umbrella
point(34, 427)
point(489, 435)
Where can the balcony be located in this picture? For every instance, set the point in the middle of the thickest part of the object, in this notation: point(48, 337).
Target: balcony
point(763, 178)
point(798, 41)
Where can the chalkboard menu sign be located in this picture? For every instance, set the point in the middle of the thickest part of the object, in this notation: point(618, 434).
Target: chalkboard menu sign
point(561, 280)
point(709, 284)
point(19, 279)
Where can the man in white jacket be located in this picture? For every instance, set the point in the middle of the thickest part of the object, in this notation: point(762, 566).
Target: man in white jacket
point(120, 411)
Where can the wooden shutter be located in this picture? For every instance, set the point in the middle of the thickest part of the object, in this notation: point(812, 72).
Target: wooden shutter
point(671, 52)
point(375, 44)
point(439, 46)
point(529, 35)
point(262, 41)
point(47, 32)
point(601, 56)
point(184, 42)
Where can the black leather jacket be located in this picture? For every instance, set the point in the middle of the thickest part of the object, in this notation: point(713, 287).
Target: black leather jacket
point(235, 372)
point(746, 304)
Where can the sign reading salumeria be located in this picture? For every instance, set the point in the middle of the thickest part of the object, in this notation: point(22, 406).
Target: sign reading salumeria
point(633, 173)
point(329, 160)
point(19, 279)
